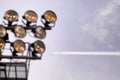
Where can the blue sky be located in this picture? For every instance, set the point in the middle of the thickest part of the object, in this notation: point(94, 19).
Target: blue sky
point(82, 25)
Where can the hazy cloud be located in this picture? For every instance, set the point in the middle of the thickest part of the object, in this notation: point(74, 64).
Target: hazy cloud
point(104, 17)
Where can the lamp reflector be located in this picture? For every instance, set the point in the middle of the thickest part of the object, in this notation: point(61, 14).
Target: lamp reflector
point(30, 16)
point(11, 15)
point(39, 46)
point(40, 32)
point(50, 16)
point(3, 31)
point(19, 46)
point(19, 31)
point(2, 43)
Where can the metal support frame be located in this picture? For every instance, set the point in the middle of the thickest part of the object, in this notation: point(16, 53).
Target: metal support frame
point(11, 66)
point(8, 66)
point(12, 70)
point(3, 69)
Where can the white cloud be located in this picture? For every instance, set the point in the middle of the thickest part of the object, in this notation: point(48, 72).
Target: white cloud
point(110, 46)
point(105, 16)
point(117, 1)
point(108, 13)
point(100, 34)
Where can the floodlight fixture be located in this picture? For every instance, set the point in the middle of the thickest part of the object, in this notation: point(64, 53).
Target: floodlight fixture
point(3, 31)
point(18, 46)
point(29, 20)
point(19, 31)
point(38, 48)
point(11, 15)
point(2, 44)
point(30, 16)
point(20, 53)
point(50, 16)
point(48, 19)
point(39, 32)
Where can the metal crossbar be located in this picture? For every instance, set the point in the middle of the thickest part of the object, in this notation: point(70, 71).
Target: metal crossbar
point(14, 70)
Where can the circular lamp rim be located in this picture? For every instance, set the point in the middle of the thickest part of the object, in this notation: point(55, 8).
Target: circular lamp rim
point(33, 13)
point(3, 43)
point(52, 13)
point(42, 47)
point(16, 14)
point(15, 48)
point(42, 29)
point(5, 31)
point(20, 27)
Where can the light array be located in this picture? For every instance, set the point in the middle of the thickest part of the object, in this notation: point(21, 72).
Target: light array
point(48, 19)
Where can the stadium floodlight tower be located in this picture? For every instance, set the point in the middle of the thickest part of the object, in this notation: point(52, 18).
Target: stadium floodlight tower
point(15, 56)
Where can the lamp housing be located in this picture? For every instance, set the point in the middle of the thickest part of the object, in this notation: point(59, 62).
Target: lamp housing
point(11, 15)
point(18, 46)
point(48, 19)
point(2, 44)
point(19, 31)
point(30, 16)
point(38, 48)
point(39, 32)
point(3, 31)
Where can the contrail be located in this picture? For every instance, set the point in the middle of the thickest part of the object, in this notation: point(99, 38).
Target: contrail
point(89, 53)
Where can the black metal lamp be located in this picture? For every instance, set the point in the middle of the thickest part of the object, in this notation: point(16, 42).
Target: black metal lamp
point(48, 19)
point(19, 47)
point(11, 16)
point(39, 32)
point(31, 17)
point(38, 47)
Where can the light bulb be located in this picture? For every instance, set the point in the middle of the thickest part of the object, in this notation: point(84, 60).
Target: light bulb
point(11, 15)
point(2, 31)
point(40, 32)
point(2, 43)
point(39, 46)
point(50, 16)
point(19, 46)
point(30, 16)
point(19, 31)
